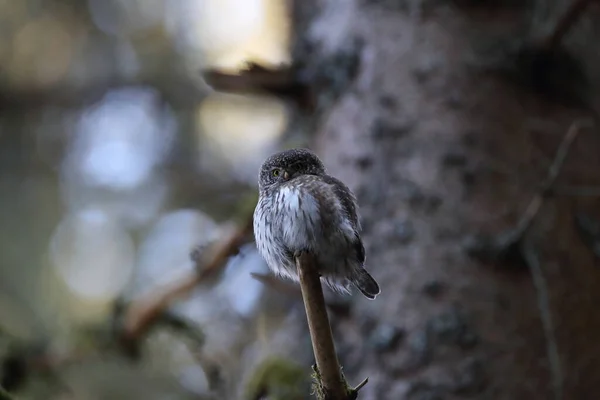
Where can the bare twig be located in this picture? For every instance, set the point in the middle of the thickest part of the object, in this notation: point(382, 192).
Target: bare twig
point(506, 246)
point(254, 77)
point(360, 385)
point(546, 189)
point(281, 82)
point(565, 23)
point(513, 245)
point(543, 300)
point(144, 312)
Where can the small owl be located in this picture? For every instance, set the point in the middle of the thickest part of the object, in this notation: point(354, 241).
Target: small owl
point(301, 208)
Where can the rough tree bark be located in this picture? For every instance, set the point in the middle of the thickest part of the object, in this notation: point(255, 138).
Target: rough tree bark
point(437, 150)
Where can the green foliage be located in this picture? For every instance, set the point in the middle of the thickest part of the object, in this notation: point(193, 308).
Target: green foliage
point(279, 379)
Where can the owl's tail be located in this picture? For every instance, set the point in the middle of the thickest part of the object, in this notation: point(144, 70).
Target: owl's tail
point(365, 283)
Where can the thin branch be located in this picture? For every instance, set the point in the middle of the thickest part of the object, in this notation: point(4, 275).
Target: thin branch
point(505, 247)
point(553, 171)
point(330, 381)
point(563, 150)
point(512, 246)
point(565, 23)
point(334, 387)
point(144, 312)
point(360, 385)
point(254, 77)
point(281, 82)
point(543, 300)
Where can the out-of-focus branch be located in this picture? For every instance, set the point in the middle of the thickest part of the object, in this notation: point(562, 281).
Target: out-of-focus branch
point(507, 246)
point(143, 313)
point(330, 382)
point(565, 23)
point(512, 246)
point(282, 82)
point(546, 188)
point(541, 288)
point(543, 64)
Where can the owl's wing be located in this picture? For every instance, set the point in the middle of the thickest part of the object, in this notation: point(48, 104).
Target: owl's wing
point(346, 197)
point(348, 201)
point(360, 249)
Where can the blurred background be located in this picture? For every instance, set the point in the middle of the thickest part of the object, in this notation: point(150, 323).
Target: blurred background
point(127, 263)
point(116, 160)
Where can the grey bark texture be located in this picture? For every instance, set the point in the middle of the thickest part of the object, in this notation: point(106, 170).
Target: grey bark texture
point(437, 148)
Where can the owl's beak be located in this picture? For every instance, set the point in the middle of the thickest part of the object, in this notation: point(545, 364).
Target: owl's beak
point(286, 175)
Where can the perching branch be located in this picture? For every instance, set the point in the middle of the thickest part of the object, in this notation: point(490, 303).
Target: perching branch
point(328, 366)
point(330, 382)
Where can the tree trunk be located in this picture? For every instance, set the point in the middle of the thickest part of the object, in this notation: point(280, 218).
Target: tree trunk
point(437, 150)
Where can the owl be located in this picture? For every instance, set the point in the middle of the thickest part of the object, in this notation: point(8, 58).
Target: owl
point(303, 209)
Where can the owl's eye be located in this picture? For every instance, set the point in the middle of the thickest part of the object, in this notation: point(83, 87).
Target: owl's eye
point(276, 172)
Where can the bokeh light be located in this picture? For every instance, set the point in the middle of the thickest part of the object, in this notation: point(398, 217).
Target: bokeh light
point(93, 254)
point(164, 253)
point(120, 141)
point(238, 133)
point(135, 162)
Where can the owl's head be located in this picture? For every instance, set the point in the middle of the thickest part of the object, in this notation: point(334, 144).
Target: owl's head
point(287, 165)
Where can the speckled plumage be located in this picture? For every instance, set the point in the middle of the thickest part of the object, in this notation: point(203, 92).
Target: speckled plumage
point(301, 208)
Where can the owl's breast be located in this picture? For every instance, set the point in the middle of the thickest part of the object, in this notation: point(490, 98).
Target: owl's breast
point(298, 217)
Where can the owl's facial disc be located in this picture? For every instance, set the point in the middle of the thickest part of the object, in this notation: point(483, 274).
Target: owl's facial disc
point(289, 164)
